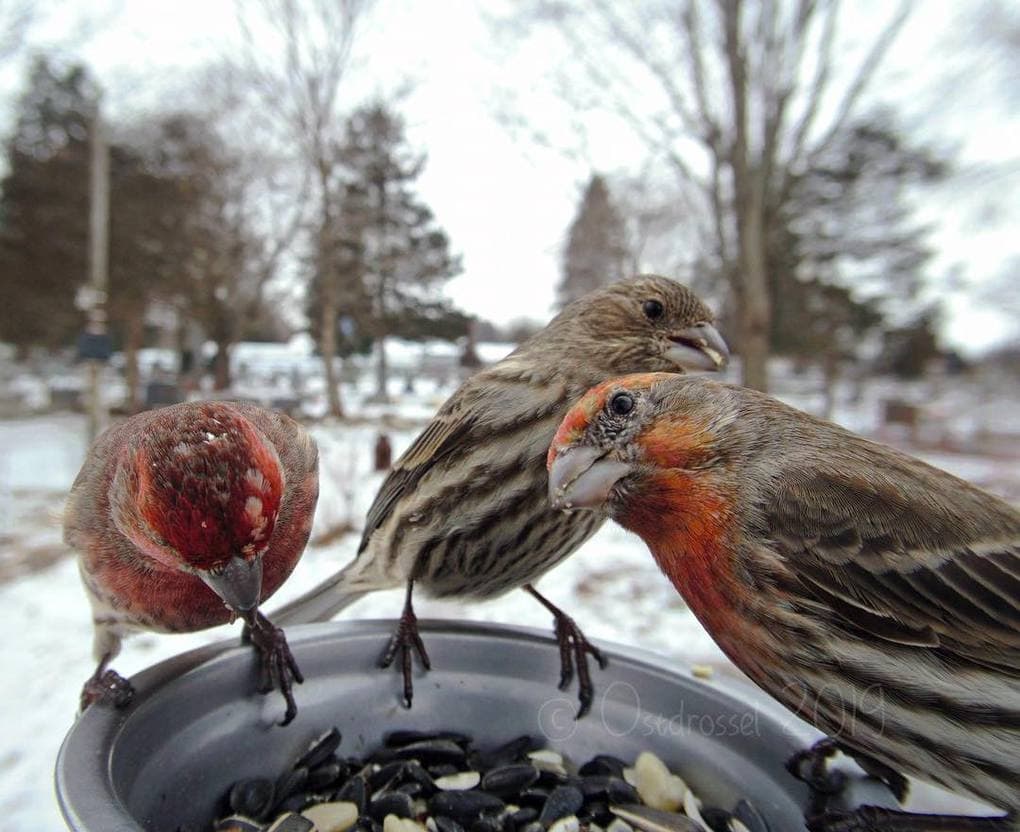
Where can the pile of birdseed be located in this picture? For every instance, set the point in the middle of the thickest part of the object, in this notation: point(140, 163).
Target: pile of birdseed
point(439, 782)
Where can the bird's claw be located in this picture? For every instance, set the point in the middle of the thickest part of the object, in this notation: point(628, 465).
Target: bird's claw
point(405, 639)
point(574, 651)
point(277, 665)
point(811, 767)
point(108, 687)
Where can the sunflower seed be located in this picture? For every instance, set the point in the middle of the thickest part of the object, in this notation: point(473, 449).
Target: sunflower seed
point(511, 779)
point(562, 801)
point(252, 798)
point(459, 782)
point(332, 817)
point(321, 749)
point(647, 819)
point(291, 822)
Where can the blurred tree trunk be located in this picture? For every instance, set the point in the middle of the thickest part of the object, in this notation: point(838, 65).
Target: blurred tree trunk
point(382, 371)
point(221, 365)
point(133, 340)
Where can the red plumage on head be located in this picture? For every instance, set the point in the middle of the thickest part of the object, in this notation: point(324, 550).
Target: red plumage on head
point(210, 489)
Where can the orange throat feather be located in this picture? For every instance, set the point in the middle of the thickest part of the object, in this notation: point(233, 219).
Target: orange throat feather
point(687, 525)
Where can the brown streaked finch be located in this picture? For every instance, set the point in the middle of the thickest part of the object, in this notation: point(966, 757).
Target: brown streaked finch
point(188, 517)
point(463, 513)
point(872, 594)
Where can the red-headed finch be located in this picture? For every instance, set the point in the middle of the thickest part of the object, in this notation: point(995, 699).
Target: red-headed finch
point(874, 595)
point(463, 513)
point(188, 517)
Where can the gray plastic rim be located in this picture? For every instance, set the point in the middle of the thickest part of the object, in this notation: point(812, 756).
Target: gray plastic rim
point(196, 725)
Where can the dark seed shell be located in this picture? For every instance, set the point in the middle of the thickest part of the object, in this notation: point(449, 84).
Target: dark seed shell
point(510, 752)
point(386, 777)
point(614, 789)
point(466, 806)
point(604, 764)
point(523, 816)
point(533, 795)
point(597, 811)
point(414, 772)
point(291, 822)
point(562, 801)
point(487, 823)
point(446, 824)
point(398, 739)
point(717, 819)
point(431, 752)
point(354, 791)
point(290, 782)
point(324, 776)
point(441, 770)
point(237, 823)
point(366, 824)
point(321, 749)
point(296, 802)
point(509, 780)
point(252, 798)
point(393, 803)
point(411, 789)
point(745, 812)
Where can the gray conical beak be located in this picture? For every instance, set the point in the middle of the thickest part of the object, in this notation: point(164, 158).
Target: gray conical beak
point(583, 477)
point(699, 347)
point(239, 584)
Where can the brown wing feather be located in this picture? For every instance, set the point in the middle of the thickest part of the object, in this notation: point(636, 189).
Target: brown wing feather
point(910, 555)
point(443, 434)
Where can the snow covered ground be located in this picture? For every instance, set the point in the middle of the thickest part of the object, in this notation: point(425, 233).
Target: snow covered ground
point(611, 587)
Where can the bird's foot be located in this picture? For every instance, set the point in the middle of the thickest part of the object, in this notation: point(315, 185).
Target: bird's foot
point(405, 639)
point(812, 767)
point(107, 687)
point(879, 819)
point(277, 666)
point(893, 780)
point(574, 651)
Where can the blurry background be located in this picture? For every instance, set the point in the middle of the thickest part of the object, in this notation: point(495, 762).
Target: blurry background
point(341, 209)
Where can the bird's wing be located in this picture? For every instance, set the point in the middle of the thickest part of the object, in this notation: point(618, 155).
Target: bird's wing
point(442, 435)
point(907, 554)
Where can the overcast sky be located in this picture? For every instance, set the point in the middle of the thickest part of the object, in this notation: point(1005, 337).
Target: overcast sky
point(505, 203)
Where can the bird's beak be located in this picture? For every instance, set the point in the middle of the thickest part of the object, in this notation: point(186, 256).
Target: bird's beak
point(698, 347)
point(239, 585)
point(582, 477)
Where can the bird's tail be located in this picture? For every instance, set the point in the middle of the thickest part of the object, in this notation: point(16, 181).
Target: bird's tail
point(320, 603)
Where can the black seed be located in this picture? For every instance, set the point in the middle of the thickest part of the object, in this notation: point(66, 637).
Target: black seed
point(507, 780)
point(562, 801)
point(603, 764)
point(411, 789)
point(595, 810)
point(386, 776)
point(237, 824)
point(534, 795)
point(414, 772)
point(366, 824)
point(290, 782)
point(446, 824)
point(613, 789)
point(252, 798)
point(394, 803)
point(398, 739)
point(552, 779)
point(441, 770)
point(523, 816)
point(514, 751)
point(487, 824)
point(431, 752)
point(354, 791)
point(321, 749)
point(291, 823)
point(718, 820)
point(464, 806)
point(295, 802)
point(324, 776)
point(749, 816)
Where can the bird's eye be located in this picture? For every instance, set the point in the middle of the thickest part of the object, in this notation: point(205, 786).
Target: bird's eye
point(621, 404)
point(653, 309)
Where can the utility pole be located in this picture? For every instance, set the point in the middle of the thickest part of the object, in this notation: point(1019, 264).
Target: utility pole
point(94, 345)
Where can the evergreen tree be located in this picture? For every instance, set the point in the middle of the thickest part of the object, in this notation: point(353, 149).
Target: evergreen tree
point(596, 252)
point(44, 208)
point(388, 255)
